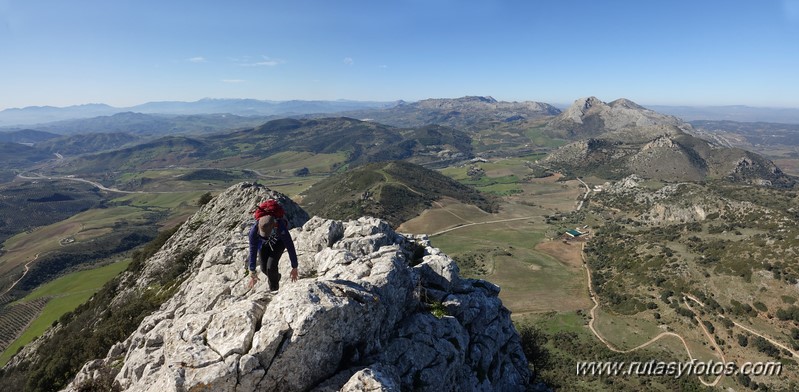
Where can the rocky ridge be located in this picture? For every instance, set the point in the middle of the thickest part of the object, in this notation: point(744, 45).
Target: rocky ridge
point(672, 203)
point(621, 119)
point(373, 310)
point(468, 114)
point(623, 138)
point(486, 103)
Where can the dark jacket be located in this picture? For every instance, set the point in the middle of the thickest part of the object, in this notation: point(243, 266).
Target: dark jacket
point(280, 233)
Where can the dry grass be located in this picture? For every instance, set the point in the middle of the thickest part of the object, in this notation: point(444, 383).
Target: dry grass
point(446, 213)
point(24, 247)
point(88, 225)
point(788, 165)
point(535, 274)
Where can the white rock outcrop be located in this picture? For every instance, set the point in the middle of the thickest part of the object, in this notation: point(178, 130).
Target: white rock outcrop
point(360, 317)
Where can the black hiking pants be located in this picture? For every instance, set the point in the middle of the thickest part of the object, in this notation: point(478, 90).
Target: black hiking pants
point(270, 256)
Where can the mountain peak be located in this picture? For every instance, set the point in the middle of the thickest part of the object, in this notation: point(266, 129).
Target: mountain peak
point(581, 107)
point(622, 119)
point(588, 102)
point(626, 103)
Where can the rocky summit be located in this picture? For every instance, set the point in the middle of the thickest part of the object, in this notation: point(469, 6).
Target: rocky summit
point(373, 310)
point(621, 119)
point(617, 139)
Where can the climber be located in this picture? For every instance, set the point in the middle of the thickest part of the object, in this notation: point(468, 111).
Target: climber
point(269, 236)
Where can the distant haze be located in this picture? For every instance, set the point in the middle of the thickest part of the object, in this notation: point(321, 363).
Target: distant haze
point(251, 107)
point(241, 107)
point(731, 113)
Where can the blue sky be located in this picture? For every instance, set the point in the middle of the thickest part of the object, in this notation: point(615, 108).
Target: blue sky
point(673, 52)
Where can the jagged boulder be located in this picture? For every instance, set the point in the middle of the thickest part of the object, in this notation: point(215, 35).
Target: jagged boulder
point(373, 310)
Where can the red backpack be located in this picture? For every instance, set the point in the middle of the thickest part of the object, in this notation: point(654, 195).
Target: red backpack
point(269, 207)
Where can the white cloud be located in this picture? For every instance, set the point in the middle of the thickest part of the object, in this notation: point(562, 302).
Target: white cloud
point(349, 61)
point(198, 59)
point(265, 62)
point(233, 81)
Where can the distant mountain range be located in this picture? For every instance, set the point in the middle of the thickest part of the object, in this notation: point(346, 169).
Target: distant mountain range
point(466, 113)
point(240, 107)
point(611, 139)
point(152, 124)
point(458, 112)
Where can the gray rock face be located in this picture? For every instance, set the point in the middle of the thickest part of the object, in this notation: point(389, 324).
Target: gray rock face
point(363, 316)
point(619, 120)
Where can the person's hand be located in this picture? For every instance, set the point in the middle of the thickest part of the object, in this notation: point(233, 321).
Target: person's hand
point(293, 274)
point(253, 279)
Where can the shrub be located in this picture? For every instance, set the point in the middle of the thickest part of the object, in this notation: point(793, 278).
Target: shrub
point(533, 345)
point(743, 341)
point(204, 199)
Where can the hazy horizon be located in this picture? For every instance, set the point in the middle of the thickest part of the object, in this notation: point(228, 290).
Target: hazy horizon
point(560, 105)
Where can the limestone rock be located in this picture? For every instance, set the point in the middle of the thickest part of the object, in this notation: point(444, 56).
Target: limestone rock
point(359, 319)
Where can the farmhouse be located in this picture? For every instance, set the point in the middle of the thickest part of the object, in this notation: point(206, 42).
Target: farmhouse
point(575, 235)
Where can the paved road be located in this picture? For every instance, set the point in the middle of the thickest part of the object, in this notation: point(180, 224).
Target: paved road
point(97, 184)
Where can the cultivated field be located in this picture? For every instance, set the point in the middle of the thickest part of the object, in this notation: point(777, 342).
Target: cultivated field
point(284, 164)
point(61, 296)
point(85, 226)
point(535, 273)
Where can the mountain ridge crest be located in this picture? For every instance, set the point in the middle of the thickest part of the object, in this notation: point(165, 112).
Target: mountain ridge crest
point(360, 314)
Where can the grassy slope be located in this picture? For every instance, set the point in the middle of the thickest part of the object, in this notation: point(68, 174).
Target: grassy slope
point(531, 279)
point(288, 161)
point(67, 293)
point(133, 209)
point(395, 191)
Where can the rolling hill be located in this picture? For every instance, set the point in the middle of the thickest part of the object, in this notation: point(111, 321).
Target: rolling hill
point(364, 141)
point(360, 141)
point(395, 191)
point(87, 143)
point(498, 128)
point(27, 136)
point(16, 155)
point(142, 124)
